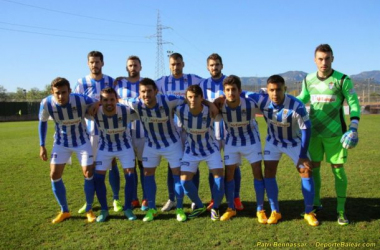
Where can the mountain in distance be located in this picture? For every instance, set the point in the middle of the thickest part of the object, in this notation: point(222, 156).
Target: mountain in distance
point(292, 77)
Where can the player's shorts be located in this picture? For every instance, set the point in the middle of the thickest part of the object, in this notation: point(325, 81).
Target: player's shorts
point(221, 144)
point(331, 147)
point(94, 139)
point(104, 159)
point(274, 153)
point(61, 154)
point(233, 154)
point(138, 146)
point(191, 162)
point(152, 156)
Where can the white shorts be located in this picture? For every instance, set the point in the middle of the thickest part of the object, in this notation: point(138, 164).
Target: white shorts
point(233, 154)
point(138, 146)
point(104, 159)
point(61, 154)
point(274, 153)
point(152, 156)
point(94, 139)
point(191, 162)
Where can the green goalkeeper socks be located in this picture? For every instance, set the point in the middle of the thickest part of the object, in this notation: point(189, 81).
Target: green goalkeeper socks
point(317, 186)
point(340, 187)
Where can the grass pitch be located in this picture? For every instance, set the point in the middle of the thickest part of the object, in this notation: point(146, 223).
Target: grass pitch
point(27, 205)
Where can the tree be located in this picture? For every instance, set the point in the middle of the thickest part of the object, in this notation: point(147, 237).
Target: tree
point(3, 93)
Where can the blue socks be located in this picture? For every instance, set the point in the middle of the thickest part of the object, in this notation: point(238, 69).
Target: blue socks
point(141, 169)
point(129, 189)
point(114, 178)
point(260, 192)
point(192, 192)
point(170, 183)
point(218, 191)
point(150, 189)
point(101, 191)
point(272, 193)
point(196, 179)
point(89, 191)
point(237, 178)
point(230, 187)
point(308, 193)
point(59, 191)
point(179, 193)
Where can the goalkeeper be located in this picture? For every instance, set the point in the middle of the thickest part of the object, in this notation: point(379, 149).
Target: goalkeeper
point(326, 90)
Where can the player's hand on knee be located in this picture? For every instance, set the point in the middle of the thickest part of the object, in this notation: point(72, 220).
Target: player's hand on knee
point(350, 139)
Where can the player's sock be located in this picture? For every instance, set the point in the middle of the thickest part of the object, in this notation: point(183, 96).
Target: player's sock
point(129, 189)
point(272, 193)
point(237, 177)
point(196, 179)
point(308, 193)
point(136, 185)
point(211, 183)
point(141, 169)
point(89, 191)
point(114, 179)
point(150, 189)
point(179, 193)
point(218, 191)
point(260, 192)
point(170, 183)
point(59, 191)
point(340, 188)
point(101, 191)
point(230, 187)
point(192, 192)
point(317, 186)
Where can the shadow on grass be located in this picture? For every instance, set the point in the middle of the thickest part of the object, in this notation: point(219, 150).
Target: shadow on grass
point(357, 209)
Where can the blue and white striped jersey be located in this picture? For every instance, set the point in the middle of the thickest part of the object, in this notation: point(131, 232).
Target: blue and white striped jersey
point(114, 132)
point(168, 85)
point(212, 89)
point(199, 135)
point(91, 87)
point(284, 121)
point(70, 127)
point(158, 121)
point(126, 89)
point(240, 123)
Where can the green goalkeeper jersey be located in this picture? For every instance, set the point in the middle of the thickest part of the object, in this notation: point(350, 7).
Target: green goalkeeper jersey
point(326, 98)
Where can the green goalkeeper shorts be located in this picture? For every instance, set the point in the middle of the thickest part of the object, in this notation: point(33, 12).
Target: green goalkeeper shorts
point(331, 147)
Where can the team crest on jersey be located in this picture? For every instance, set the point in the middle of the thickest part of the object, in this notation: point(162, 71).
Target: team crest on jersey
point(204, 120)
point(120, 119)
point(331, 85)
point(244, 112)
point(285, 113)
point(162, 109)
point(74, 109)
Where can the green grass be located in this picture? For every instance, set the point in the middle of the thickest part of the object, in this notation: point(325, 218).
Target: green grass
point(27, 204)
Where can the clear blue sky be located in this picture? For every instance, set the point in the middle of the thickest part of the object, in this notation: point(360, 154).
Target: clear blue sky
point(43, 39)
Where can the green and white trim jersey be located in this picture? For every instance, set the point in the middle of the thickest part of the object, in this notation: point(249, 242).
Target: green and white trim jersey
point(326, 98)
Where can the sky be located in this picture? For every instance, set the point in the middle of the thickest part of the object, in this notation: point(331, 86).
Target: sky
point(43, 39)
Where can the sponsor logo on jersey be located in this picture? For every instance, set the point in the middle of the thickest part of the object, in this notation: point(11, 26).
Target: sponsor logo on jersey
point(239, 124)
point(155, 119)
point(322, 98)
point(71, 122)
point(195, 131)
point(113, 131)
point(282, 124)
point(177, 93)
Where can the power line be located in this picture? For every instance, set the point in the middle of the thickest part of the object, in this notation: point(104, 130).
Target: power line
point(78, 15)
point(85, 38)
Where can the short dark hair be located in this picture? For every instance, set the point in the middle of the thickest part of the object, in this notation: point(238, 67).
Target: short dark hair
point(195, 89)
point(134, 58)
point(323, 48)
point(231, 80)
point(148, 82)
point(108, 90)
point(276, 79)
point(215, 56)
point(60, 82)
point(175, 56)
point(95, 53)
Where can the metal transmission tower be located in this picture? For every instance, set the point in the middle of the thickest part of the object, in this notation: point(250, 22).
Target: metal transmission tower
point(160, 65)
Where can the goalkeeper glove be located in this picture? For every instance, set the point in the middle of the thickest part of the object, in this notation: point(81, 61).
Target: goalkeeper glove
point(350, 139)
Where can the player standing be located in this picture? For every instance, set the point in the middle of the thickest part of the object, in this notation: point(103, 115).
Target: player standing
point(176, 84)
point(200, 146)
point(289, 131)
point(126, 88)
point(213, 88)
point(113, 119)
point(243, 139)
point(68, 112)
point(327, 89)
point(91, 85)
